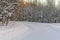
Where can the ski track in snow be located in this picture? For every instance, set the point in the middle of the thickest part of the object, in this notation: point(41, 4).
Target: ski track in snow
point(13, 31)
point(30, 31)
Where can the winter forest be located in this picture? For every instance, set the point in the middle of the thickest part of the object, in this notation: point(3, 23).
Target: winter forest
point(44, 11)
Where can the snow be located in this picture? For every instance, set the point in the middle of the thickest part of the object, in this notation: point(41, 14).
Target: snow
point(30, 31)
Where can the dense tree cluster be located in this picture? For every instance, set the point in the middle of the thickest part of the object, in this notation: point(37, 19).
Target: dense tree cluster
point(8, 6)
point(45, 14)
point(32, 13)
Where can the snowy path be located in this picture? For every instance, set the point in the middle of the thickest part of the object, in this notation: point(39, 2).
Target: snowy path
point(13, 31)
point(30, 31)
point(43, 31)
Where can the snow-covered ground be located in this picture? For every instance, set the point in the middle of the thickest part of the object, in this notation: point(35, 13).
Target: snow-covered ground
point(30, 31)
